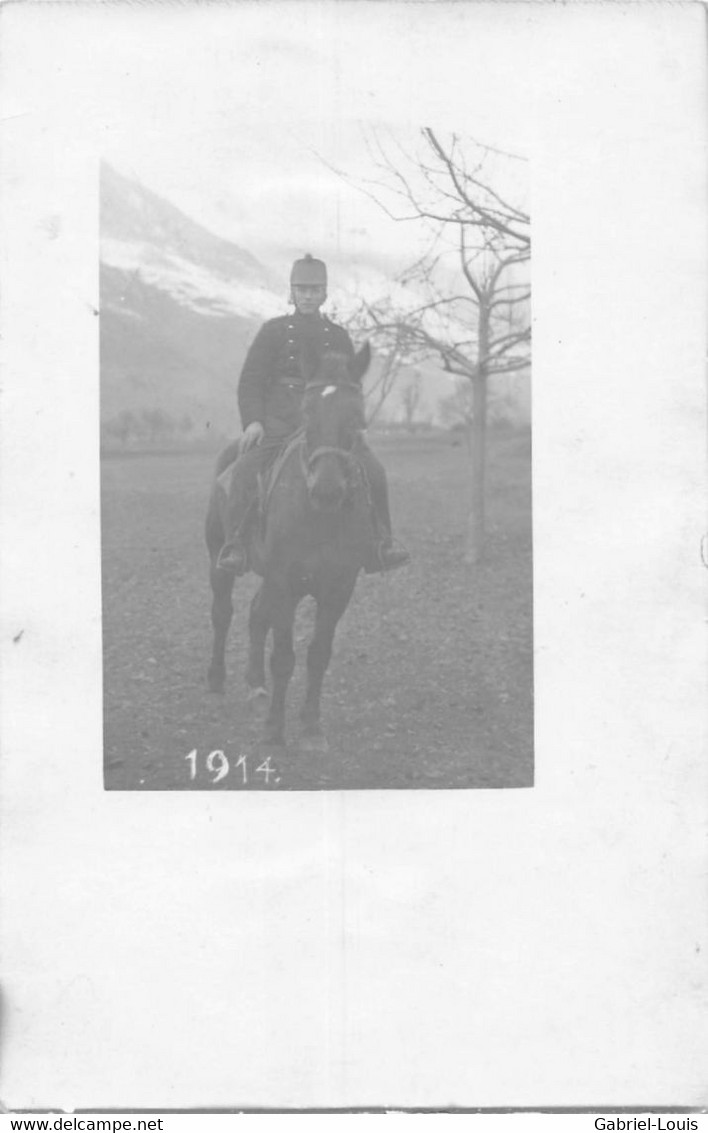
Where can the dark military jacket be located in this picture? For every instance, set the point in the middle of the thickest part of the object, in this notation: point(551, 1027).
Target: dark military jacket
point(280, 358)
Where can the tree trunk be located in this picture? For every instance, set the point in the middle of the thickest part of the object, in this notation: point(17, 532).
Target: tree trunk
point(474, 546)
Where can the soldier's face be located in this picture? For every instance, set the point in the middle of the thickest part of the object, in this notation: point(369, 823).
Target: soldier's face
point(308, 298)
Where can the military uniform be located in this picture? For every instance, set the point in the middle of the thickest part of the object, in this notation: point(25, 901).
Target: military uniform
point(285, 354)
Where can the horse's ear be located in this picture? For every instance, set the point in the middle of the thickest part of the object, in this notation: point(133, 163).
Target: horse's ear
point(360, 362)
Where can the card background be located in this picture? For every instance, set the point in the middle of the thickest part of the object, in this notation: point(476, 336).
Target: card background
point(513, 948)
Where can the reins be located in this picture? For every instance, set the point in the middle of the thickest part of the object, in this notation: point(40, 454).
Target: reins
point(347, 457)
point(308, 459)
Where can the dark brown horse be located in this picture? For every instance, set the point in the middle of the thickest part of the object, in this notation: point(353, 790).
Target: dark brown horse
point(314, 538)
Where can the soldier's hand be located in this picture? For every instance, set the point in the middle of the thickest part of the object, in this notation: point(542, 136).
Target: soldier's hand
point(252, 435)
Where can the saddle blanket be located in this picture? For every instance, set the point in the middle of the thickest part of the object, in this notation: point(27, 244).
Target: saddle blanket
point(268, 479)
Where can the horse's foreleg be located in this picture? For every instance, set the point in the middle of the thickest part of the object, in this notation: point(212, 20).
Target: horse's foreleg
point(330, 607)
point(222, 585)
point(282, 663)
point(258, 626)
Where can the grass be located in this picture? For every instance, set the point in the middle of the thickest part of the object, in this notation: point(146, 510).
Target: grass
point(431, 682)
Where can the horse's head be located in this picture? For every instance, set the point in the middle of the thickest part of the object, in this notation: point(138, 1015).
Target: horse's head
point(333, 416)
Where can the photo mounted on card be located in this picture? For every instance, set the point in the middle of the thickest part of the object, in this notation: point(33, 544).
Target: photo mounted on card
point(315, 369)
point(323, 784)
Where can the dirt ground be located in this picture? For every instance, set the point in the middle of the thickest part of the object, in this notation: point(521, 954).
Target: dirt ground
point(431, 682)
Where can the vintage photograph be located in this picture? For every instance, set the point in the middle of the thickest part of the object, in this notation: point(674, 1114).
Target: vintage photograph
point(276, 259)
point(316, 463)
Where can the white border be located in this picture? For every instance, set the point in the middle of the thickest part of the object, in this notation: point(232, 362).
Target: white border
point(397, 948)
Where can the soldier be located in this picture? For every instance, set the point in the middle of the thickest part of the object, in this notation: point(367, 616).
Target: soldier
point(269, 397)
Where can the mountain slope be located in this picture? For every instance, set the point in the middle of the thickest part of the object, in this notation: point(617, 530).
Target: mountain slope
point(133, 214)
point(179, 306)
point(157, 354)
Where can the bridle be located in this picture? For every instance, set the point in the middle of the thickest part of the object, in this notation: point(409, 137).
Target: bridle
point(347, 456)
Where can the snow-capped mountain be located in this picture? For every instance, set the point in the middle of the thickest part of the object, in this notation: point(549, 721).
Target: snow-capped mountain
point(214, 276)
point(179, 306)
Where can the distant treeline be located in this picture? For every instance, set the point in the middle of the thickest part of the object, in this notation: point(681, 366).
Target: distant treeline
point(157, 427)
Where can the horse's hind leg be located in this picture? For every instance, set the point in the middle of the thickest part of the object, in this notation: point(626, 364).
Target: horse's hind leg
point(258, 626)
point(331, 604)
point(222, 584)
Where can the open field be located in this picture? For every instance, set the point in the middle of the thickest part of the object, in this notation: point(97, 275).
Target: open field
point(431, 682)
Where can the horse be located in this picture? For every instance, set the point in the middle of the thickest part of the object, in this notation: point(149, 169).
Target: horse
point(314, 535)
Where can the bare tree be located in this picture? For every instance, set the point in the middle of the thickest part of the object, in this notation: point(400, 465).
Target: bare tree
point(186, 424)
point(470, 293)
point(157, 423)
point(122, 426)
point(390, 353)
point(379, 388)
point(457, 408)
point(410, 400)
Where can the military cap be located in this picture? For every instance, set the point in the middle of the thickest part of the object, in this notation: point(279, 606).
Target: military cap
point(308, 272)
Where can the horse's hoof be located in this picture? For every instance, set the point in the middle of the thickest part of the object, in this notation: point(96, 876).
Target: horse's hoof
point(258, 703)
point(216, 682)
point(313, 743)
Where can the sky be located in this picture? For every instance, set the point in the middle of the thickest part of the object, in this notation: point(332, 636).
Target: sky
point(282, 190)
point(272, 186)
point(239, 118)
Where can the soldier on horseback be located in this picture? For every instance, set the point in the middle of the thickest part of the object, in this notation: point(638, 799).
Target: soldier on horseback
point(270, 394)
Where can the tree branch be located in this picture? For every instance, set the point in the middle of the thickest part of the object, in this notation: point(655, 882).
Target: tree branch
point(502, 221)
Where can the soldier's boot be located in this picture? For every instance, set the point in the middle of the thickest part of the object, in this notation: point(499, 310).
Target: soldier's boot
point(388, 553)
point(391, 555)
point(233, 556)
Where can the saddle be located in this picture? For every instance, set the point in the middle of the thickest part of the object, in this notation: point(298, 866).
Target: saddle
point(270, 475)
point(252, 528)
point(267, 479)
